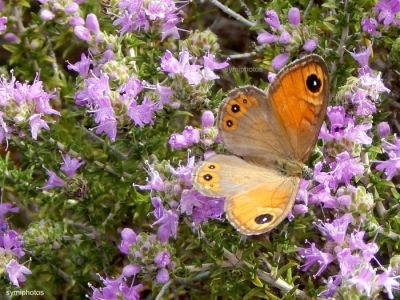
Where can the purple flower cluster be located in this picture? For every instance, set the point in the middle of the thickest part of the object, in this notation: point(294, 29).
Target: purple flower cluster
point(109, 104)
point(11, 248)
point(69, 167)
point(147, 257)
point(391, 166)
point(191, 203)
point(137, 15)
point(333, 188)
point(23, 104)
point(192, 72)
point(191, 136)
point(353, 256)
point(386, 12)
point(286, 36)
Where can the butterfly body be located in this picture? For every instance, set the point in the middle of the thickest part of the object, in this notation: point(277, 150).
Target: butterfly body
point(271, 135)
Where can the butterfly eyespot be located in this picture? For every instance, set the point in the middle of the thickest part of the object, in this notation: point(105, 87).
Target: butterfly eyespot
point(212, 167)
point(235, 108)
point(263, 219)
point(244, 100)
point(313, 83)
point(207, 177)
point(229, 123)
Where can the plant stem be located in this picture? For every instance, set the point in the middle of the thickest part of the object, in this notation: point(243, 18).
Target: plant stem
point(233, 14)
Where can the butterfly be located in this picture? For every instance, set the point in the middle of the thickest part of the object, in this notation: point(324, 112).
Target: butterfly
point(271, 135)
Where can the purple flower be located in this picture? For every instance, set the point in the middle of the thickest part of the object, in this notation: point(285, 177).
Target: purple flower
point(369, 25)
point(143, 113)
point(365, 107)
point(92, 23)
point(285, 37)
point(162, 259)
point(390, 167)
point(389, 282)
point(362, 58)
point(71, 8)
point(53, 181)
point(95, 89)
point(347, 261)
point(271, 76)
point(82, 66)
point(313, 255)
point(177, 141)
point(131, 89)
point(280, 60)
point(11, 241)
point(166, 94)
point(3, 22)
point(155, 182)
point(357, 243)
point(70, 165)
point(46, 15)
point(82, 33)
point(210, 64)
point(36, 123)
point(387, 10)
point(184, 173)
point(7, 208)
point(345, 168)
point(130, 270)
point(272, 19)
point(363, 281)
point(267, 38)
point(11, 37)
point(192, 135)
point(16, 272)
point(188, 137)
point(200, 207)
point(294, 16)
point(207, 119)
point(299, 209)
point(171, 65)
point(336, 231)
point(310, 45)
point(129, 238)
point(76, 21)
point(162, 275)
point(104, 117)
point(168, 225)
point(383, 129)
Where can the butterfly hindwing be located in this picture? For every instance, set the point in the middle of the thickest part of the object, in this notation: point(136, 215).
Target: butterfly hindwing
point(257, 198)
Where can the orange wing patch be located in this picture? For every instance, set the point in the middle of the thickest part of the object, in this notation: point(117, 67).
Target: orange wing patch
point(299, 99)
point(261, 208)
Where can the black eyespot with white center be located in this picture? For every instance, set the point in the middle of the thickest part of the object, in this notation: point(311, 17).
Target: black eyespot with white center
point(263, 219)
point(207, 177)
point(212, 167)
point(235, 108)
point(313, 83)
point(229, 123)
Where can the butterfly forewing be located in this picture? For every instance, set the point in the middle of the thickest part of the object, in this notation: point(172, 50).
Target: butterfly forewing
point(299, 98)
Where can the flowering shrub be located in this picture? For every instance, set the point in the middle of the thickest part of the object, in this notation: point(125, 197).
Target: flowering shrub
point(107, 106)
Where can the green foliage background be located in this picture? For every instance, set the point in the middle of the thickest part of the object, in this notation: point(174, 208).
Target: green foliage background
point(73, 233)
